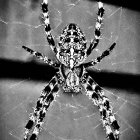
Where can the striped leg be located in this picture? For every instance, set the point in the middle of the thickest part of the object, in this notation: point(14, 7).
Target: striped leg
point(98, 24)
point(49, 36)
point(96, 94)
point(43, 103)
point(99, 58)
point(41, 57)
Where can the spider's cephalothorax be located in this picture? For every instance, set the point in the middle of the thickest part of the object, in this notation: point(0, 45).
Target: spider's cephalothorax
point(71, 50)
point(71, 78)
point(72, 75)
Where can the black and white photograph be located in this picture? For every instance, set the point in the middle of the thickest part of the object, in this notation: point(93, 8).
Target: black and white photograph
point(69, 70)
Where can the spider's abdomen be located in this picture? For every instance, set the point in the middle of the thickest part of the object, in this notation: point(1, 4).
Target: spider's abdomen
point(72, 46)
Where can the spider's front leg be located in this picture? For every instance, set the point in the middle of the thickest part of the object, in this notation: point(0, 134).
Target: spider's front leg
point(99, 58)
point(41, 57)
point(46, 99)
point(97, 32)
point(46, 19)
point(96, 94)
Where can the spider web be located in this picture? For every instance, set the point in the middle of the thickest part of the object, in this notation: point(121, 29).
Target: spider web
point(75, 117)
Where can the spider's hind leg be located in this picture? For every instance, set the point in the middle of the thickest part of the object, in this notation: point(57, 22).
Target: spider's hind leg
point(96, 94)
point(46, 19)
point(43, 103)
point(97, 33)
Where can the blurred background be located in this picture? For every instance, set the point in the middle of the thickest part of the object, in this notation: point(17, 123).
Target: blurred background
point(22, 77)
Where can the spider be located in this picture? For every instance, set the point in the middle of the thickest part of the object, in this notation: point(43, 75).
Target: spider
point(71, 52)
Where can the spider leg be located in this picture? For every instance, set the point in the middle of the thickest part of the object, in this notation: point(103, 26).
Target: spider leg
point(46, 19)
point(98, 24)
point(99, 58)
point(96, 94)
point(44, 102)
point(41, 57)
